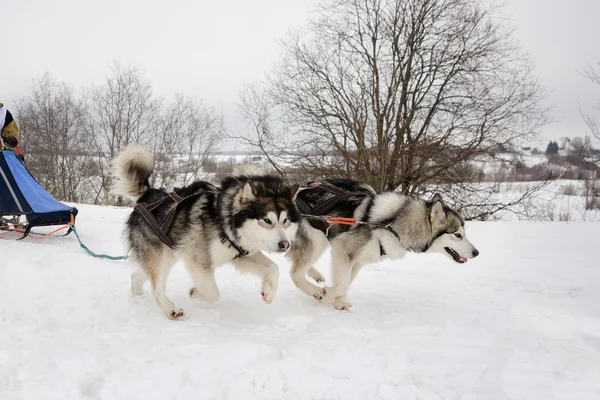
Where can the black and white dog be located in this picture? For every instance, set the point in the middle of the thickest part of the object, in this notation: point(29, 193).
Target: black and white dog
point(231, 223)
point(393, 224)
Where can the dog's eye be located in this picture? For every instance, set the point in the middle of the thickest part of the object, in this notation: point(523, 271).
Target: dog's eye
point(458, 235)
point(285, 221)
point(267, 221)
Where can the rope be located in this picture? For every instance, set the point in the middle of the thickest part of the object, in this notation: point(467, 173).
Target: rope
point(91, 253)
point(40, 236)
point(12, 228)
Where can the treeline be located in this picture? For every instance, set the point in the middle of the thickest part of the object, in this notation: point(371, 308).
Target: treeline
point(69, 135)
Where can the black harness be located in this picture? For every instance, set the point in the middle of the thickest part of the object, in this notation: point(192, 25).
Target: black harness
point(163, 228)
point(317, 215)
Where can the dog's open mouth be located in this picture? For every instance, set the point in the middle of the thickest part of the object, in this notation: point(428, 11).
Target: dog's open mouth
point(457, 257)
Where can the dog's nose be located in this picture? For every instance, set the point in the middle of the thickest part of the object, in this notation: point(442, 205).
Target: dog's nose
point(284, 245)
point(475, 253)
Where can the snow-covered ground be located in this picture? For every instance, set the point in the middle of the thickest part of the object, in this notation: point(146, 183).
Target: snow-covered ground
point(522, 321)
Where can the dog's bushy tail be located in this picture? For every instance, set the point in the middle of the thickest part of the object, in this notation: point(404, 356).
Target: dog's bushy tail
point(131, 170)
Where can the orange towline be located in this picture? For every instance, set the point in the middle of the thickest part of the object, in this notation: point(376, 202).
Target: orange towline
point(341, 221)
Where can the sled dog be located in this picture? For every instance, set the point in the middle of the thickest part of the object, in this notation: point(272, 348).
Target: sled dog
point(391, 225)
point(205, 225)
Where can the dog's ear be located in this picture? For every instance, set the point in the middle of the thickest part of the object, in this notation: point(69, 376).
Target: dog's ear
point(436, 197)
point(294, 191)
point(249, 192)
point(437, 215)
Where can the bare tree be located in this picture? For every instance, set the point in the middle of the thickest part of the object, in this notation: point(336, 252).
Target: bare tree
point(592, 186)
point(593, 75)
point(265, 134)
point(70, 140)
point(120, 112)
point(53, 138)
point(400, 94)
point(189, 133)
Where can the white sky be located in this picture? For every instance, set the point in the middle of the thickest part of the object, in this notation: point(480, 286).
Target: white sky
point(211, 49)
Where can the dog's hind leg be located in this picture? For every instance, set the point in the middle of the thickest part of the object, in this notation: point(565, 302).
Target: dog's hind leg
point(157, 267)
point(138, 278)
point(264, 267)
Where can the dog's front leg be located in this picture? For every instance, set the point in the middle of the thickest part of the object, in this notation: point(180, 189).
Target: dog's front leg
point(340, 302)
point(337, 293)
point(261, 265)
point(346, 262)
point(341, 273)
point(203, 275)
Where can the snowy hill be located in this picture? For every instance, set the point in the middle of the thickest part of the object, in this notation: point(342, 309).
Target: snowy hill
point(522, 321)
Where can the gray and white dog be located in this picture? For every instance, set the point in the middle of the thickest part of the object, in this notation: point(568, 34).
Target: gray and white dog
point(393, 225)
point(216, 225)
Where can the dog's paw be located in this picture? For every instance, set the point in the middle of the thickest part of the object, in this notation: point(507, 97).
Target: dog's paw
point(175, 313)
point(319, 293)
point(341, 305)
point(316, 275)
point(267, 297)
point(268, 292)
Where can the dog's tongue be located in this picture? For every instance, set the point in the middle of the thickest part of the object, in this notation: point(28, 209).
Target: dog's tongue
point(462, 259)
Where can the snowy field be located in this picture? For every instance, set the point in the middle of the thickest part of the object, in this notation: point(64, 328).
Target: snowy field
point(549, 203)
point(522, 321)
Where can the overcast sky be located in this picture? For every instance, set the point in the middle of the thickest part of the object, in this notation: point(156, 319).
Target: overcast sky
point(211, 49)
